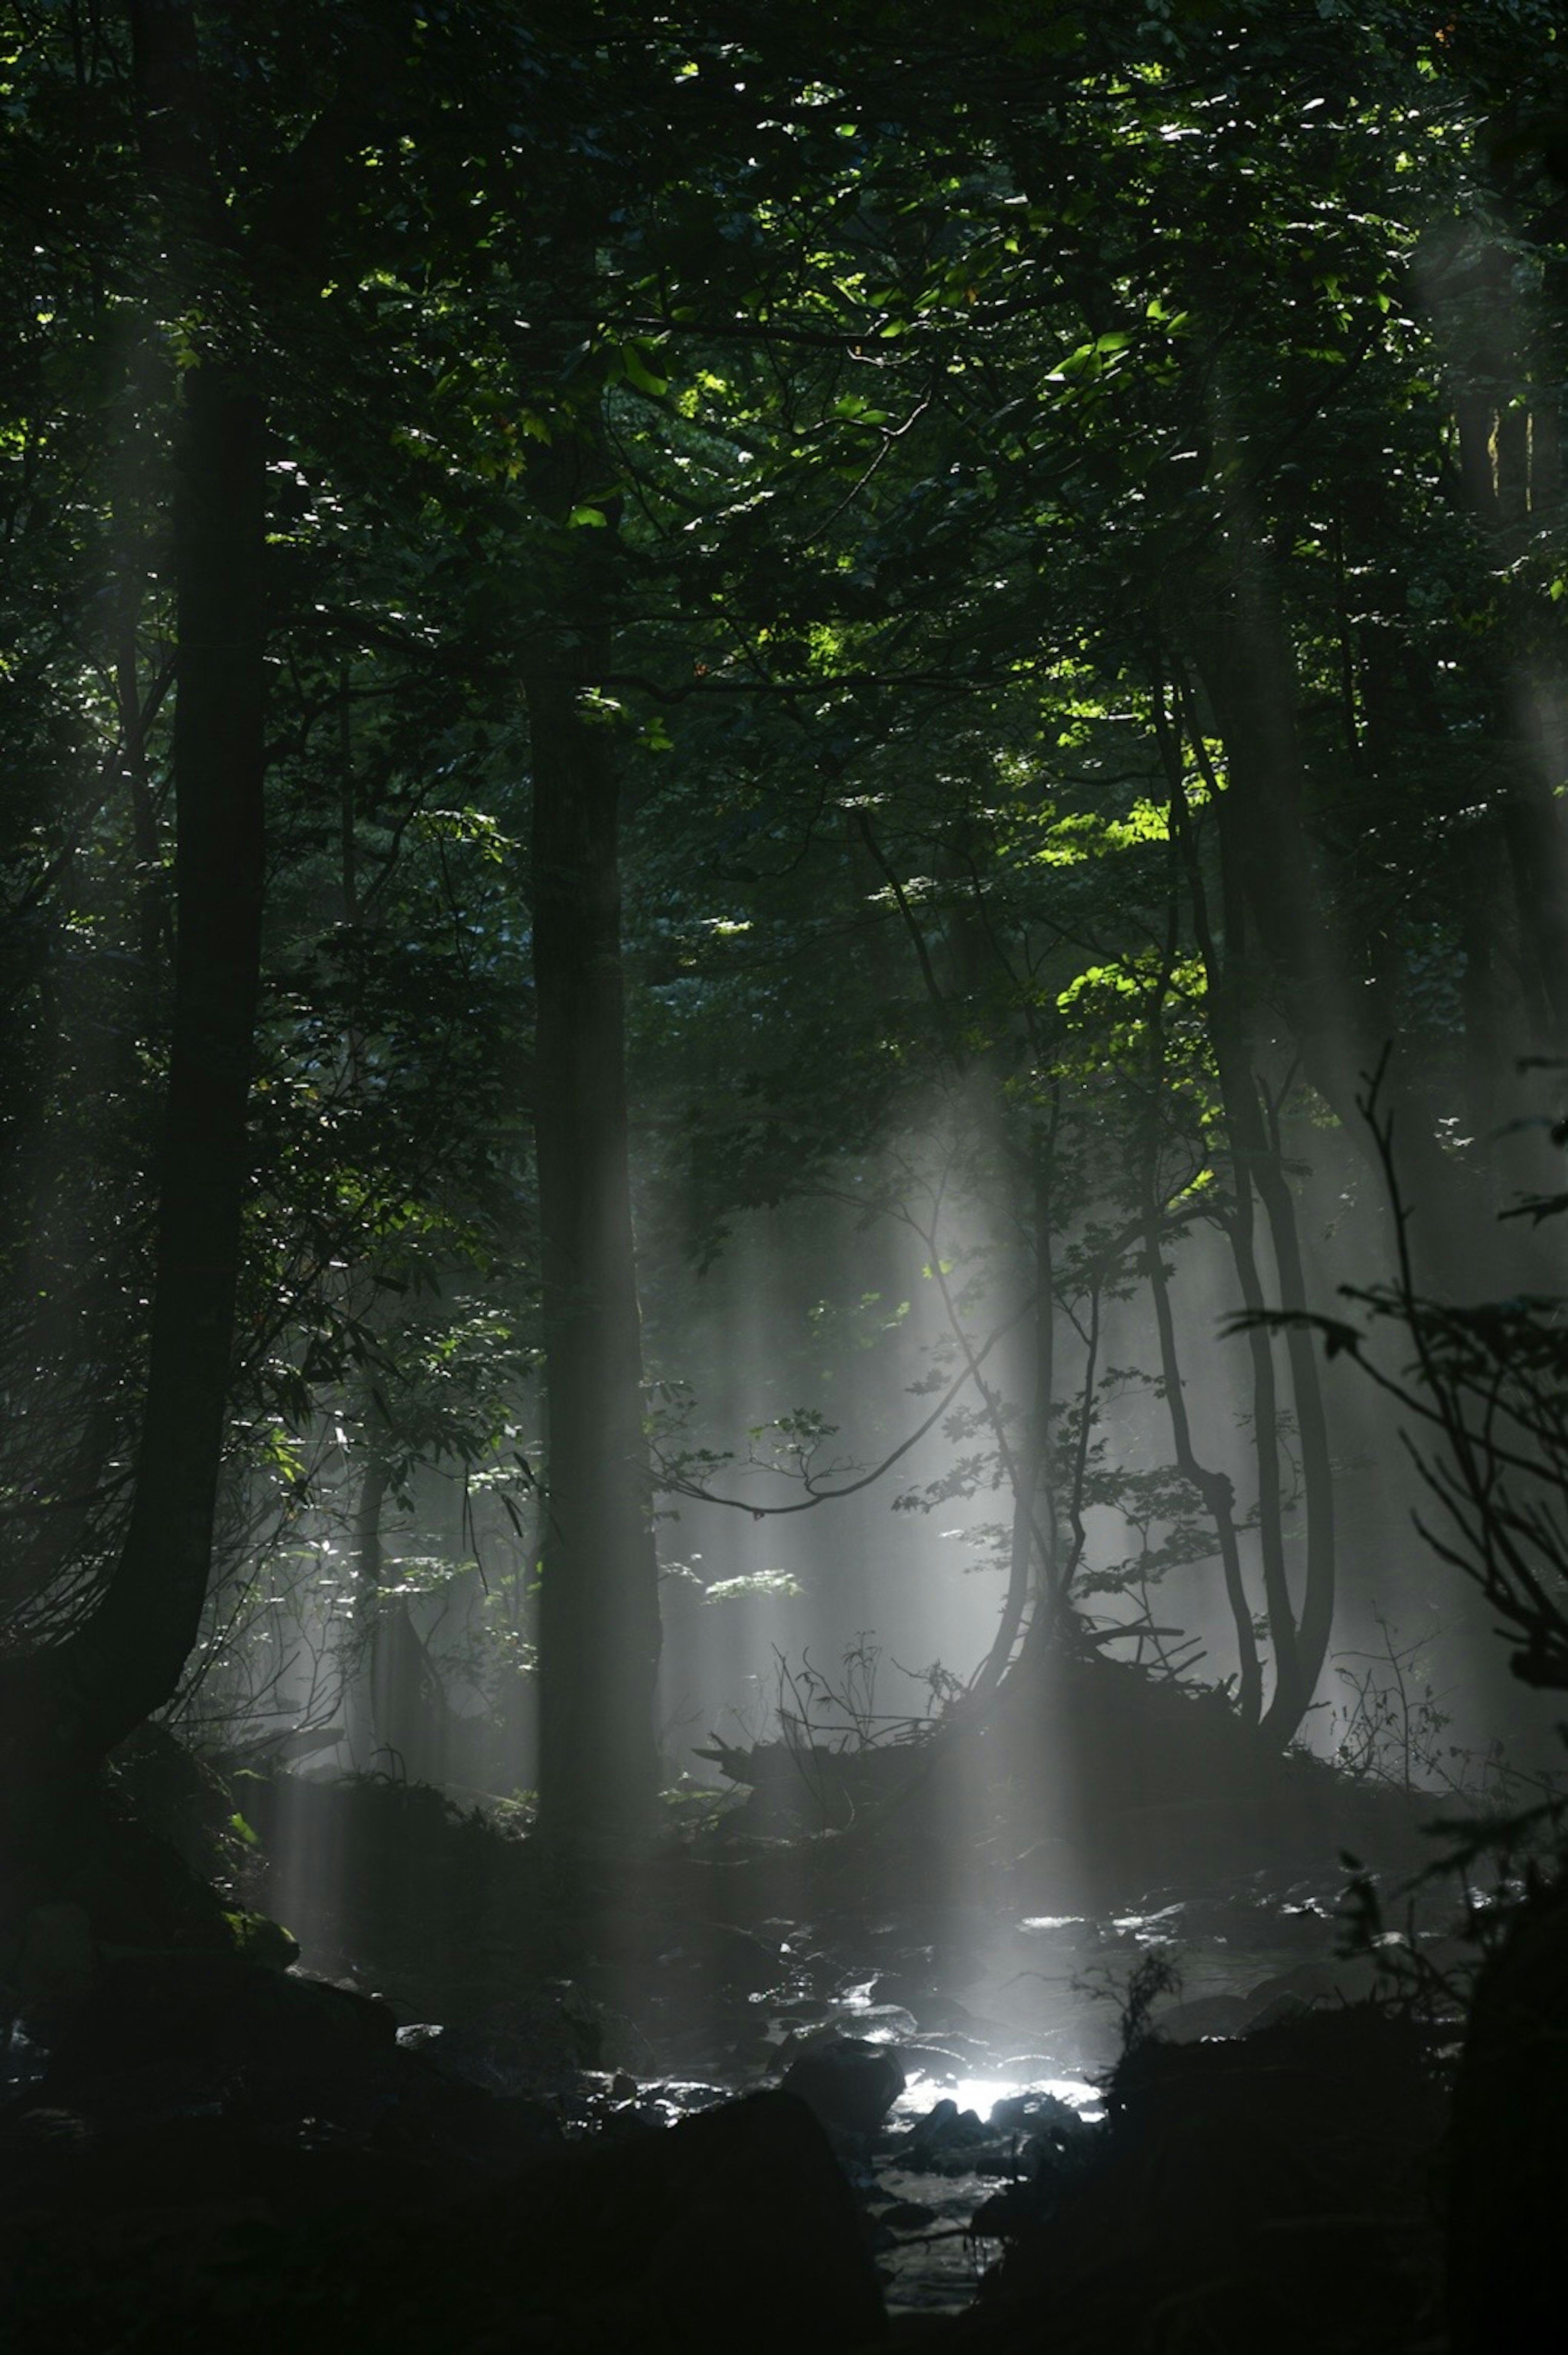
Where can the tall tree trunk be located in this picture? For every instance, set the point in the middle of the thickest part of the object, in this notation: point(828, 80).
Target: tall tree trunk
point(1247, 667)
point(1031, 1558)
point(1259, 1150)
point(1215, 1487)
point(1299, 1647)
point(598, 1600)
point(1508, 412)
point(1287, 1699)
point(67, 1708)
point(1316, 1621)
point(392, 1705)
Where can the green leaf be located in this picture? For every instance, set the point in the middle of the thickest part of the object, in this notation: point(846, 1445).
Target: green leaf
point(638, 372)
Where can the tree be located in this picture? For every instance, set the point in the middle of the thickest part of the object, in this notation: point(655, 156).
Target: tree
point(70, 1706)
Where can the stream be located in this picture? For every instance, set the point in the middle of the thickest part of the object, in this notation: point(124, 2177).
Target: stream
point(1001, 2030)
point(448, 2046)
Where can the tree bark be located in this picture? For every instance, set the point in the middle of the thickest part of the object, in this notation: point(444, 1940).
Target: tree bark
point(599, 1601)
point(1259, 1165)
point(1215, 1487)
point(1247, 669)
point(1302, 1649)
point(1032, 1560)
point(1316, 1621)
point(69, 1707)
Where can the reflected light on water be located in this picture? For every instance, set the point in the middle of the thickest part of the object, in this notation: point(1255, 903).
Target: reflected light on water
point(983, 2094)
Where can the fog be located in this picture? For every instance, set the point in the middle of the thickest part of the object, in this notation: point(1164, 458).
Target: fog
point(820, 1556)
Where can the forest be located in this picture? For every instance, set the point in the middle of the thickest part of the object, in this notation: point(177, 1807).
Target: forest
point(783, 1152)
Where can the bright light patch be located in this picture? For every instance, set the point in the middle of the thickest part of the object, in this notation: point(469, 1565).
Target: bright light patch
point(981, 2094)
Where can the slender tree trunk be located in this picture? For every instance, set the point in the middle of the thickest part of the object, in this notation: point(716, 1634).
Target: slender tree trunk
point(599, 1606)
point(1247, 669)
point(401, 1719)
point(150, 909)
point(1031, 1564)
point(1301, 1663)
point(1316, 1621)
point(1505, 364)
point(359, 1649)
point(1047, 1627)
point(1302, 1649)
point(1213, 1487)
point(1287, 1699)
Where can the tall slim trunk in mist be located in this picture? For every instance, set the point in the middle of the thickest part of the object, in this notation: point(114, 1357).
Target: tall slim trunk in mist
point(1032, 1568)
point(74, 1704)
point(1212, 1485)
point(1315, 1622)
point(1300, 1642)
point(397, 1710)
point(147, 1626)
point(598, 1600)
point(396, 1706)
point(1507, 409)
point(61, 1711)
point(1248, 672)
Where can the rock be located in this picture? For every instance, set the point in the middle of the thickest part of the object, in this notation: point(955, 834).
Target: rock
point(739, 2212)
point(937, 2119)
point(52, 1959)
point(1205, 2015)
point(906, 2216)
point(420, 2036)
point(945, 2129)
point(847, 2082)
point(23, 2059)
point(944, 2013)
point(626, 2119)
point(1510, 2171)
point(541, 2043)
point(1038, 2115)
point(170, 2041)
point(658, 2243)
point(879, 2023)
point(215, 2012)
point(1272, 2190)
point(1350, 1979)
point(914, 1992)
point(1007, 2212)
point(687, 2093)
point(459, 2131)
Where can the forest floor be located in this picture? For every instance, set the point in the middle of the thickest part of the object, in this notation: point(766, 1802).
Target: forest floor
point(1011, 2005)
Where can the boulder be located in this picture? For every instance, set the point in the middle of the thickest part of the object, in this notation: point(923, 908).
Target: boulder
point(736, 2222)
point(1509, 2181)
point(847, 2082)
